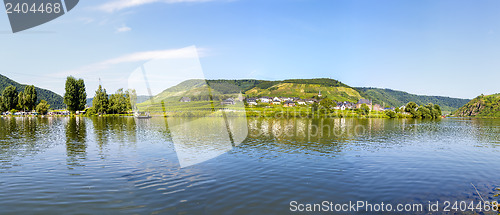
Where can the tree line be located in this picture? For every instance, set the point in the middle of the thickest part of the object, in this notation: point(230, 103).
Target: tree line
point(117, 103)
point(429, 111)
point(75, 99)
point(26, 100)
point(398, 98)
point(55, 100)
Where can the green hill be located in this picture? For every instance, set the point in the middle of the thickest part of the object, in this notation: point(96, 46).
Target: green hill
point(190, 88)
point(481, 106)
point(339, 93)
point(303, 88)
point(56, 101)
point(396, 98)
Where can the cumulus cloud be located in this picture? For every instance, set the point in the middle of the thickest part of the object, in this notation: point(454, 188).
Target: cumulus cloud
point(116, 5)
point(123, 28)
point(183, 53)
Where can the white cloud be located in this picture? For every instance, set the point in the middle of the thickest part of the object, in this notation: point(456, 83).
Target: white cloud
point(161, 54)
point(123, 28)
point(116, 5)
point(183, 53)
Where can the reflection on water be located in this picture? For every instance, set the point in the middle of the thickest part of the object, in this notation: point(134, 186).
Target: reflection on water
point(19, 137)
point(119, 129)
point(200, 139)
point(331, 135)
point(126, 165)
point(76, 146)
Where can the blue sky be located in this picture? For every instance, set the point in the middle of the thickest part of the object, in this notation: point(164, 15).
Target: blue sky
point(448, 48)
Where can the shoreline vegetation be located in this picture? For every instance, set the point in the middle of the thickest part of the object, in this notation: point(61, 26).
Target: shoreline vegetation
point(122, 103)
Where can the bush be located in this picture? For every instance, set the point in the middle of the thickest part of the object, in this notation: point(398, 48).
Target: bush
point(42, 108)
point(90, 111)
point(391, 114)
point(363, 110)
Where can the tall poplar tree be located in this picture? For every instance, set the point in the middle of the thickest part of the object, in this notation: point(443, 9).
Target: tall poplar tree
point(9, 96)
point(75, 97)
point(30, 97)
point(100, 102)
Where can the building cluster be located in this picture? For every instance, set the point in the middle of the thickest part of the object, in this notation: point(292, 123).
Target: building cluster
point(297, 101)
point(294, 101)
point(20, 113)
point(60, 113)
point(285, 101)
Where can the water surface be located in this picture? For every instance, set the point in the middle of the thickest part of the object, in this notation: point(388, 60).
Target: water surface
point(129, 166)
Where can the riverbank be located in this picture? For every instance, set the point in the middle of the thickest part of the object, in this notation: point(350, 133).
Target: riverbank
point(254, 113)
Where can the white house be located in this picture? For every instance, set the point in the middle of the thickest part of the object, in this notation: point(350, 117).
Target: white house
point(265, 99)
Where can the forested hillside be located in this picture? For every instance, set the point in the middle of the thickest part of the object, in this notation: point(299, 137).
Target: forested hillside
point(55, 100)
point(396, 98)
point(482, 106)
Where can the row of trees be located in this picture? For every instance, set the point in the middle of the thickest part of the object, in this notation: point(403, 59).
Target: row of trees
point(429, 111)
point(11, 100)
point(76, 99)
point(114, 104)
point(326, 104)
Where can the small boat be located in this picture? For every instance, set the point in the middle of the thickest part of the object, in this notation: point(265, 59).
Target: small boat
point(140, 115)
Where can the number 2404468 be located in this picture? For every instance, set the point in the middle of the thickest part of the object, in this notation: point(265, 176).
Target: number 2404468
point(33, 8)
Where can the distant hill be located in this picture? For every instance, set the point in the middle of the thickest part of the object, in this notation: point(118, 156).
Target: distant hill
point(337, 93)
point(481, 106)
point(304, 88)
point(56, 101)
point(190, 88)
point(398, 98)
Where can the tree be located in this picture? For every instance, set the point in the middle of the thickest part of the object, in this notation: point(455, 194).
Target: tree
point(424, 112)
point(411, 108)
point(439, 113)
point(364, 109)
point(30, 97)
point(75, 97)
point(21, 101)
point(9, 96)
point(100, 102)
point(327, 103)
point(314, 107)
point(391, 114)
point(397, 110)
point(43, 107)
point(119, 102)
point(2, 106)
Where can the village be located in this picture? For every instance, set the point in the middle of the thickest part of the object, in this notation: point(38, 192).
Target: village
point(296, 101)
point(266, 101)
